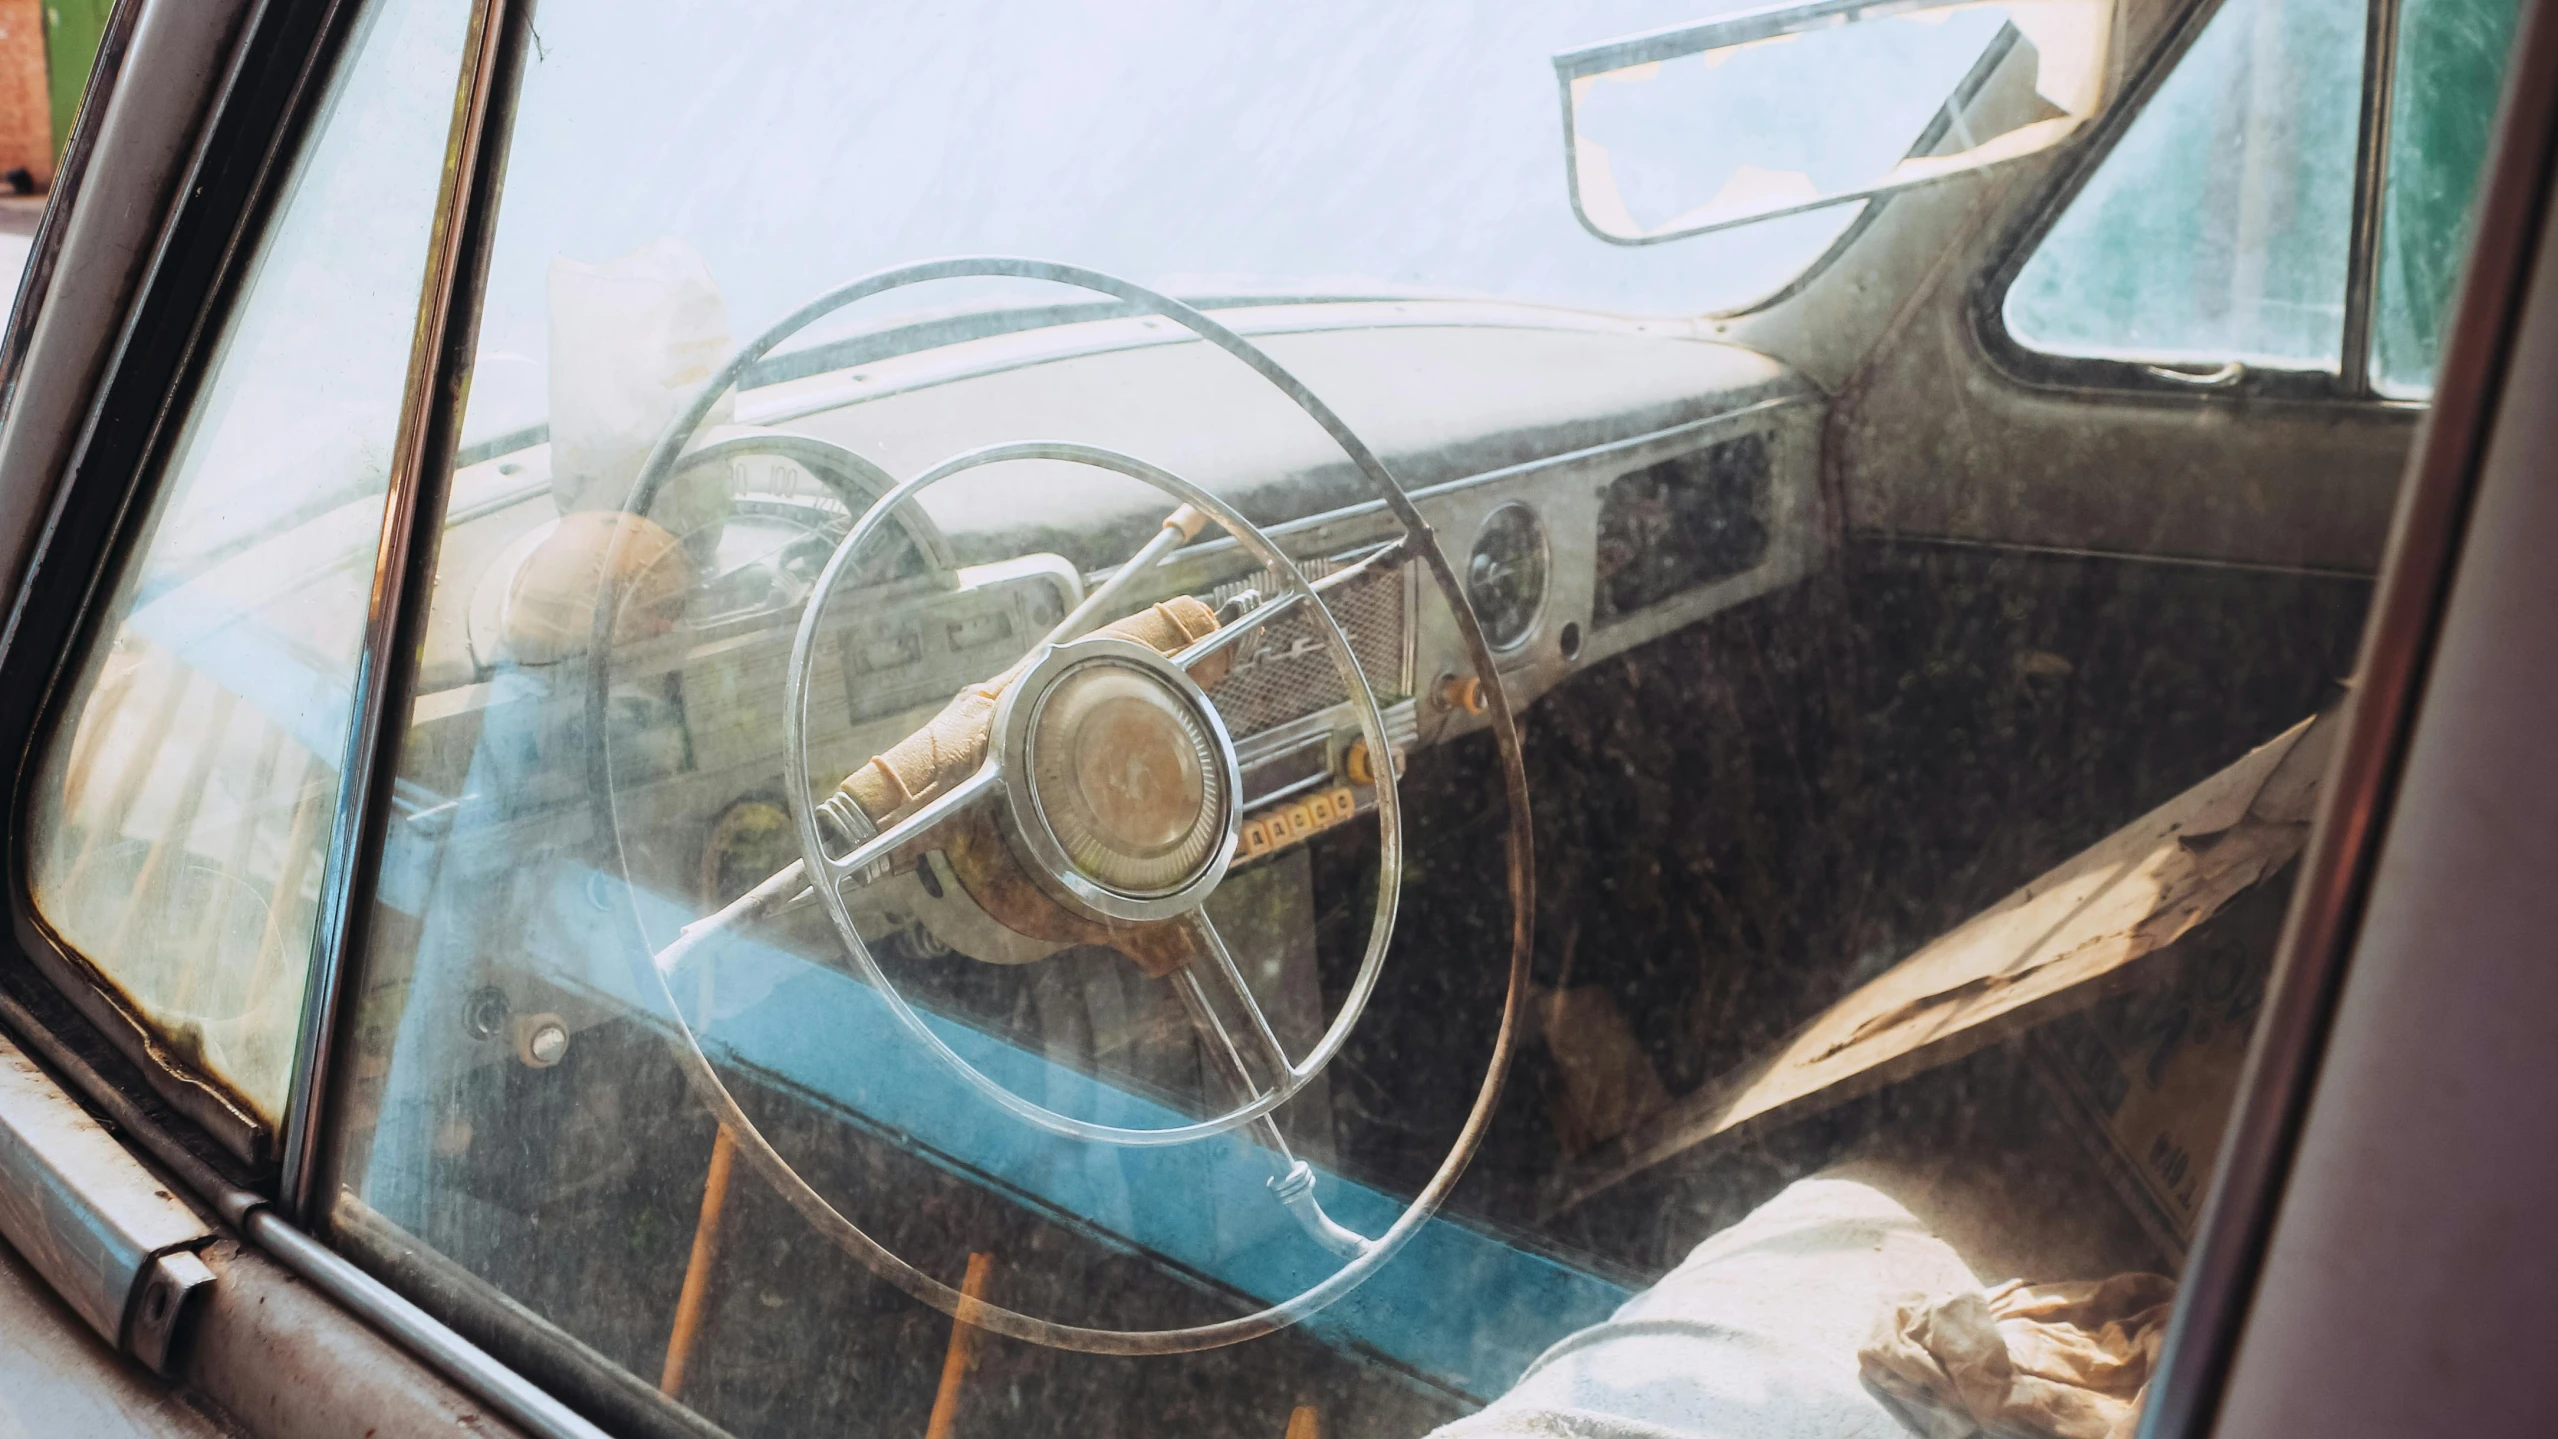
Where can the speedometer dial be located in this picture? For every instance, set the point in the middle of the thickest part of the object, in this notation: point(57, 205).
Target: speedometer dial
point(1506, 575)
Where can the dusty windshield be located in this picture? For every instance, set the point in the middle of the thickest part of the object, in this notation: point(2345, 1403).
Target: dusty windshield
point(1409, 153)
point(1118, 730)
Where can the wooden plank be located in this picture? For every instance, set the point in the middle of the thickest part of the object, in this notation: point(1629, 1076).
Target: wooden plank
point(2063, 942)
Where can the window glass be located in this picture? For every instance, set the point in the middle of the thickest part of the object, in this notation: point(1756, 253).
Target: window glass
point(1057, 105)
point(2451, 69)
point(2217, 228)
point(180, 813)
point(950, 873)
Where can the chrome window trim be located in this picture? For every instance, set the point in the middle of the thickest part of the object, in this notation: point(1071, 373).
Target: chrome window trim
point(44, 251)
point(470, 1367)
point(85, 1214)
point(2371, 180)
point(440, 358)
point(187, 157)
point(181, 174)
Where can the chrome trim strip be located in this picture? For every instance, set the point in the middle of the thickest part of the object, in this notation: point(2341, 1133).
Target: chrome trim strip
point(82, 1210)
point(420, 1333)
point(2371, 179)
point(403, 576)
point(1402, 730)
point(1765, 23)
point(1665, 436)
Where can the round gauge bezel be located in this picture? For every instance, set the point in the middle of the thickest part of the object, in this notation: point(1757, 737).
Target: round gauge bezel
point(1536, 612)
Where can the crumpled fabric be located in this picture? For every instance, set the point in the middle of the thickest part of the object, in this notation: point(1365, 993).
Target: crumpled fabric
point(1753, 1336)
point(2023, 1361)
point(551, 598)
point(952, 744)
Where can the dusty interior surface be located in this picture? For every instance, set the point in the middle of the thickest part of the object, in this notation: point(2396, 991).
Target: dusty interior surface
point(949, 859)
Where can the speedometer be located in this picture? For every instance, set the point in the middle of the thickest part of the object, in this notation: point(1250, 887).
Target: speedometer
point(1506, 575)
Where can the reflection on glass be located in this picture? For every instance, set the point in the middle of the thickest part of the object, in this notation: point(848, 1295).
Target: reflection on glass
point(1691, 134)
point(702, 805)
point(1361, 152)
point(2216, 230)
point(2451, 68)
point(178, 821)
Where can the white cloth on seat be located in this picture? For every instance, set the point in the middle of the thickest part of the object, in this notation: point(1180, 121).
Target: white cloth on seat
point(1754, 1336)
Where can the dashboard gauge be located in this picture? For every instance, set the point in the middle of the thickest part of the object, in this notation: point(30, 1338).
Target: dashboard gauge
point(1506, 575)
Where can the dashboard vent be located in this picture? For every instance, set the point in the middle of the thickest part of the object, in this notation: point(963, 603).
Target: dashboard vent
point(1667, 528)
point(1283, 672)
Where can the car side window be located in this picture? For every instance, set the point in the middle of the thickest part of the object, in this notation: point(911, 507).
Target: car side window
point(2217, 229)
point(181, 813)
point(2451, 65)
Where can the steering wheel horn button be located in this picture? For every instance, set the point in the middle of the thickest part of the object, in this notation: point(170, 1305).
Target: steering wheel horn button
point(1123, 781)
point(1125, 775)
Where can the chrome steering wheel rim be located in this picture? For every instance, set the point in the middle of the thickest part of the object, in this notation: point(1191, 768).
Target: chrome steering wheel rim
point(685, 1044)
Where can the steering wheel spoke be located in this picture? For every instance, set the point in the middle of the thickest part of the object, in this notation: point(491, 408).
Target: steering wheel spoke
point(1258, 1038)
point(1292, 1180)
point(1224, 1055)
point(1225, 636)
point(932, 814)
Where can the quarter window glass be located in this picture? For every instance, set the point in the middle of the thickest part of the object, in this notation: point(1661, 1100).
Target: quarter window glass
point(182, 808)
point(2451, 67)
point(2217, 228)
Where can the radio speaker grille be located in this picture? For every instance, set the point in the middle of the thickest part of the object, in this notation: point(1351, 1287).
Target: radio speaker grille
point(1284, 672)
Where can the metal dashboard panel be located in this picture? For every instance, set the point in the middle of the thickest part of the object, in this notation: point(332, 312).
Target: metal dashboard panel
point(1472, 417)
point(1569, 493)
point(1572, 629)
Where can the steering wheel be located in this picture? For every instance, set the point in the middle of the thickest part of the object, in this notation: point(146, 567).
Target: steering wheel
point(1149, 858)
point(1130, 862)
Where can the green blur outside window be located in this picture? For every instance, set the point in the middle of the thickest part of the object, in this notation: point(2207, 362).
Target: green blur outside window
point(2451, 69)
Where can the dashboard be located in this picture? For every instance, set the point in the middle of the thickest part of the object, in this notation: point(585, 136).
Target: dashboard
point(1597, 482)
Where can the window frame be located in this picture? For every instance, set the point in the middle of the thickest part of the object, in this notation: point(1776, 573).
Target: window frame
point(258, 116)
point(274, 76)
point(227, 187)
point(2349, 383)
